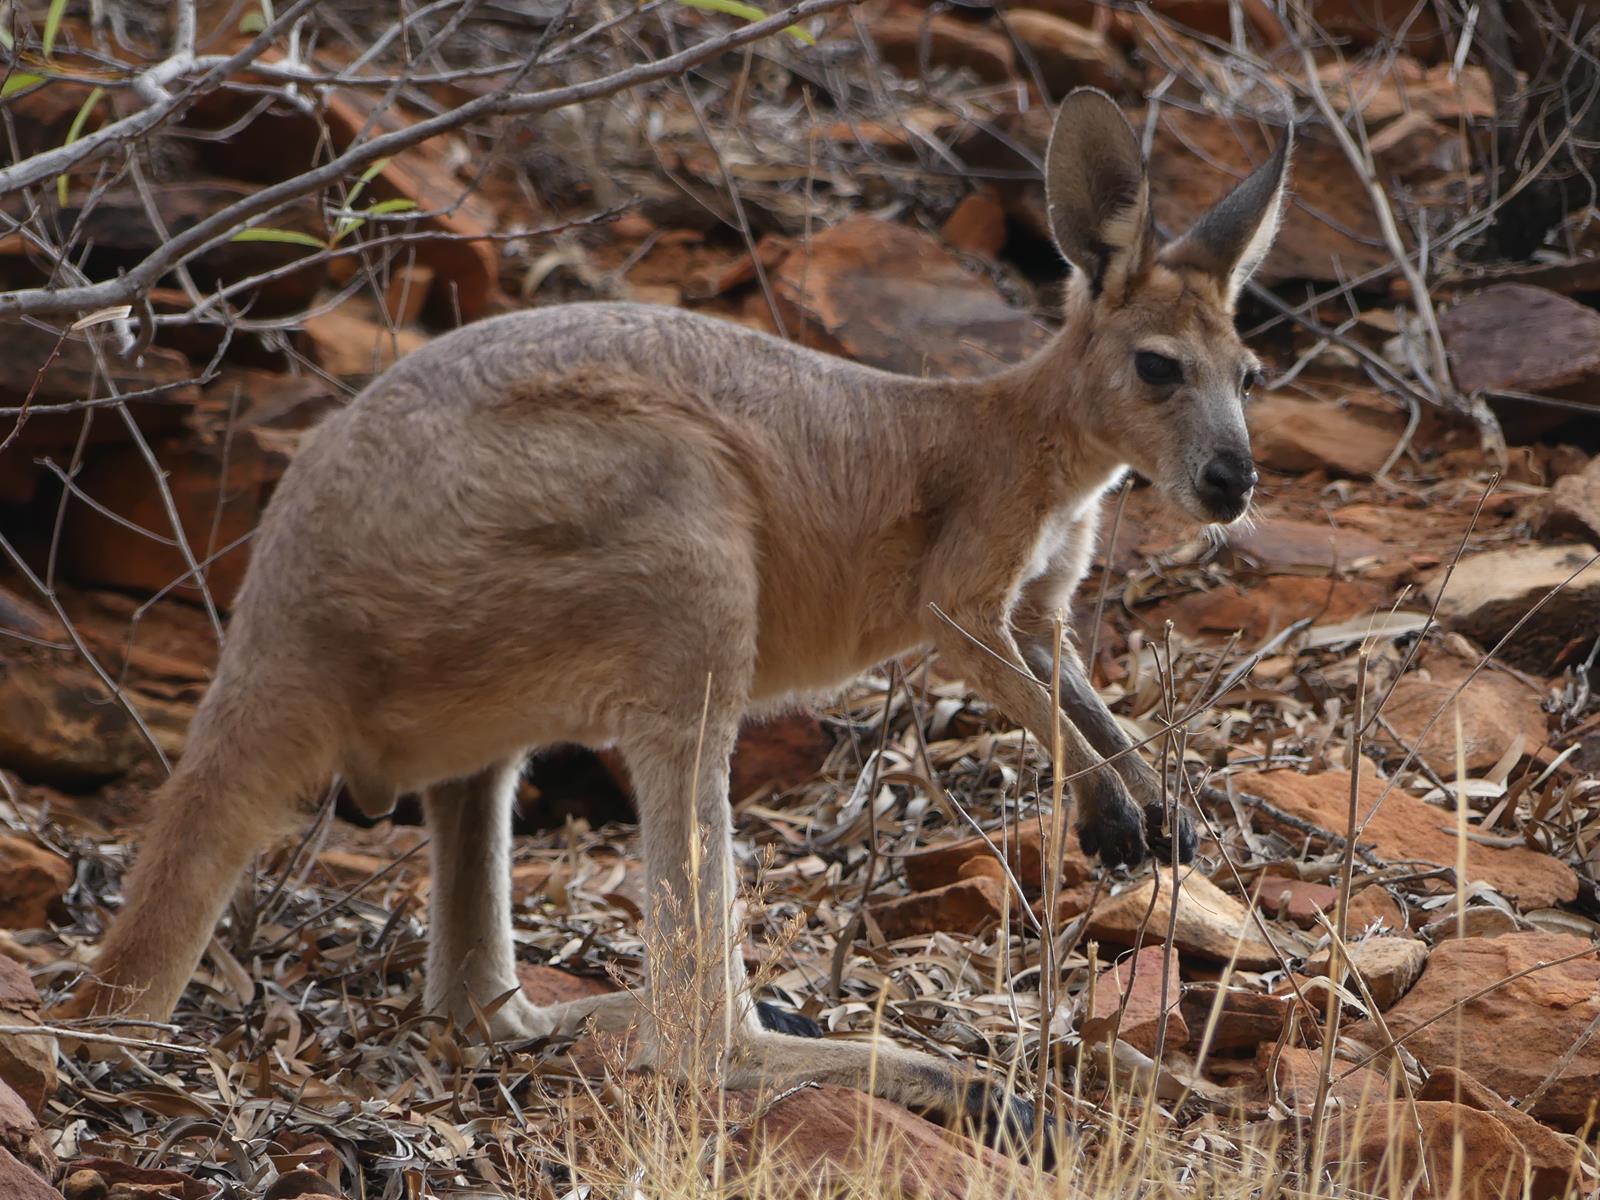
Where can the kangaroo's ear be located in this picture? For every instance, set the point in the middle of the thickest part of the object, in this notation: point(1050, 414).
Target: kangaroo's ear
point(1232, 239)
point(1096, 190)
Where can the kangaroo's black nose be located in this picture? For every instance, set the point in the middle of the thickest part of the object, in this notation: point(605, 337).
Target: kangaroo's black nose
point(1225, 484)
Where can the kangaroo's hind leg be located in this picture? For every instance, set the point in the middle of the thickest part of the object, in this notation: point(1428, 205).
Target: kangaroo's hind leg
point(231, 795)
point(471, 959)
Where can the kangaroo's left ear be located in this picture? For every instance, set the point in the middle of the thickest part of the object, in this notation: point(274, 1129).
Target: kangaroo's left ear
point(1232, 239)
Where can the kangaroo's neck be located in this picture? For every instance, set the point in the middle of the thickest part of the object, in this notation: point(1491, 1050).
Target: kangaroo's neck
point(1029, 424)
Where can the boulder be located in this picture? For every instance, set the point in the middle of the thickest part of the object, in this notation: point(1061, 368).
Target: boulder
point(1375, 908)
point(777, 754)
point(939, 865)
point(1259, 610)
point(1490, 592)
point(353, 341)
point(219, 480)
point(971, 905)
point(1281, 546)
point(1297, 900)
point(1068, 54)
point(109, 1179)
point(1377, 1146)
point(1513, 1037)
point(1246, 1019)
point(912, 40)
point(19, 1181)
point(1552, 1158)
point(20, 1133)
point(1571, 509)
point(1388, 965)
point(1405, 829)
point(827, 1138)
point(27, 1061)
point(1513, 337)
point(891, 297)
point(1127, 1002)
point(1297, 1071)
point(32, 881)
point(977, 226)
point(1498, 713)
point(1295, 435)
point(1210, 923)
point(58, 725)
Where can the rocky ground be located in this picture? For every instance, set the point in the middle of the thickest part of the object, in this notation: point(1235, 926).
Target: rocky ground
point(1406, 632)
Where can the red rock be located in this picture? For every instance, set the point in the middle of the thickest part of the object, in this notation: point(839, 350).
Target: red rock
point(1069, 55)
point(907, 40)
point(57, 726)
point(20, 1133)
point(1405, 829)
point(219, 483)
point(1513, 1037)
point(108, 1179)
point(1210, 923)
point(1388, 965)
point(1498, 712)
point(826, 1137)
point(550, 985)
point(300, 1185)
point(1296, 435)
point(1299, 1069)
point(1261, 609)
point(970, 905)
point(1298, 900)
point(352, 341)
point(1278, 545)
point(1127, 1001)
point(1571, 511)
point(18, 1181)
point(778, 754)
point(32, 880)
point(1490, 592)
point(939, 865)
point(1378, 1143)
point(1518, 338)
point(27, 1061)
point(978, 225)
point(1553, 1159)
point(1247, 1019)
point(895, 298)
point(1376, 906)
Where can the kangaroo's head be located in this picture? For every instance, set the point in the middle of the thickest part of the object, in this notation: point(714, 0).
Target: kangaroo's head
point(1164, 375)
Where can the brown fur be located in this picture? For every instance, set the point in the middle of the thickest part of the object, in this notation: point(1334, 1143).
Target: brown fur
point(619, 525)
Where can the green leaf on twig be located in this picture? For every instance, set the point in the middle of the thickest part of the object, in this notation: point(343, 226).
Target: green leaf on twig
point(749, 12)
point(74, 132)
point(18, 80)
point(52, 24)
point(291, 237)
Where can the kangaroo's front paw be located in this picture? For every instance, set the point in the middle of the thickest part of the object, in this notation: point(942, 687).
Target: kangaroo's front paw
point(1161, 838)
point(998, 1116)
point(1112, 828)
point(786, 1020)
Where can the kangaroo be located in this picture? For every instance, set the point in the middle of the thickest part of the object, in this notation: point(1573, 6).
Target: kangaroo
point(612, 524)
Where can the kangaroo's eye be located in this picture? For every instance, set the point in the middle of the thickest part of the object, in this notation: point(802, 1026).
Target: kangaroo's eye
point(1248, 384)
point(1157, 369)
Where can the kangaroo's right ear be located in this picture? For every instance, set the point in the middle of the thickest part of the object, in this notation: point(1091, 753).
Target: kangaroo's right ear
point(1097, 193)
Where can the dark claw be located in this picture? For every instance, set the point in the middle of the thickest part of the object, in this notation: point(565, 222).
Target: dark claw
point(1160, 837)
point(785, 1020)
point(1116, 838)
